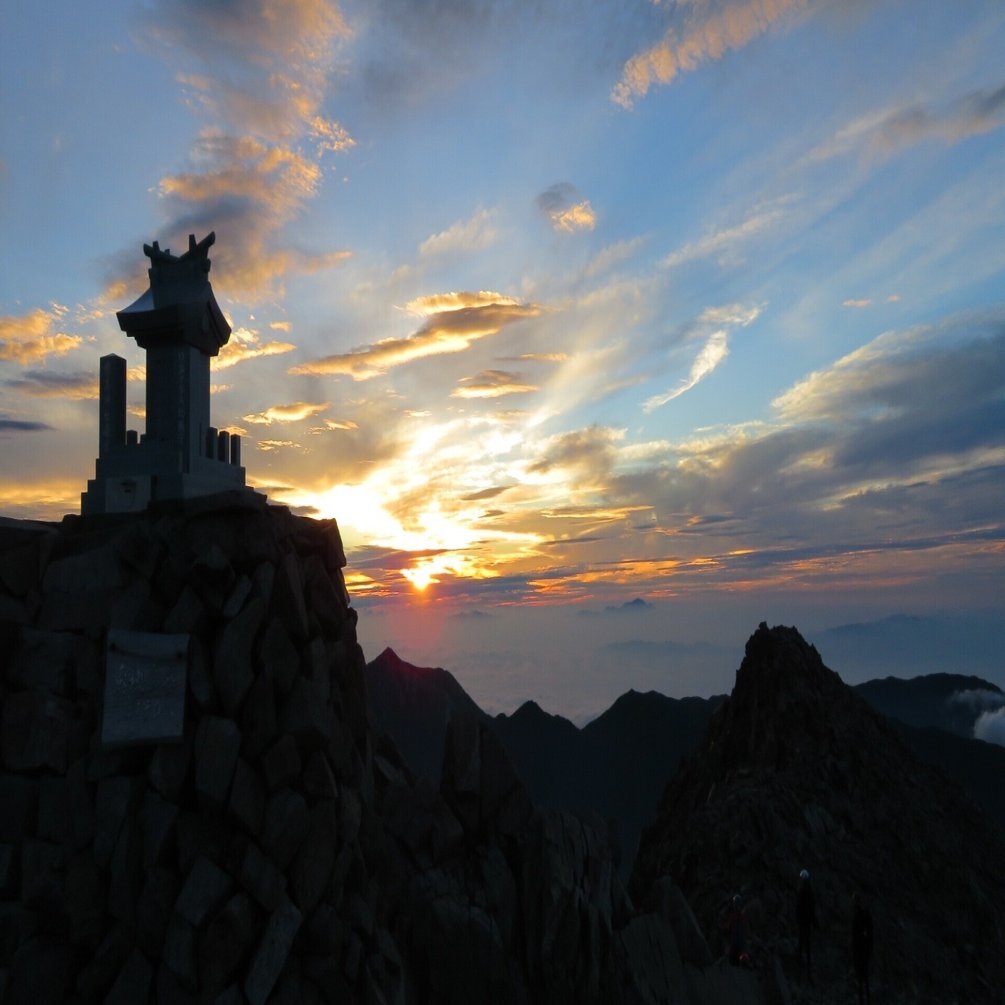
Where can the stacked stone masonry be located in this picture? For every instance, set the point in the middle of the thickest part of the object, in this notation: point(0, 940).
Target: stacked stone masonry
point(280, 851)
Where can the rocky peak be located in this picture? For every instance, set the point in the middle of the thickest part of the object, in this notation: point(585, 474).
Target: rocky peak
point(785, 702)
point(796, 772)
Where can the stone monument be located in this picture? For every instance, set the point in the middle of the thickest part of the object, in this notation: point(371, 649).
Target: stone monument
point(180, 325)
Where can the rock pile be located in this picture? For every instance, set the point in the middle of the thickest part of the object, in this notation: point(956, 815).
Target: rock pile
point(797, 772)
point(200, 867)
point(277, 850)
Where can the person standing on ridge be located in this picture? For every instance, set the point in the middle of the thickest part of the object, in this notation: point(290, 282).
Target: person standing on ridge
point(806, 921)
point(861, 946)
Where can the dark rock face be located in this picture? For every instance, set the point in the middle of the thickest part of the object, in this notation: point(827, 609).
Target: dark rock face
point(797, 772)
point(180, 871)
point(414, 705)
point(615, 767)
point(280, 850)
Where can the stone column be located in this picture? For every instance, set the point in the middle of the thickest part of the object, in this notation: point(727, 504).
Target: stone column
point(112, 404)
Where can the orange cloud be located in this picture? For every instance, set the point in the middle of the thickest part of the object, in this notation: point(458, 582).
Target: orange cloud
point(261, 65)
point(330, 136)
point(452, 329)
point(245, 344)
point(258, 74)
point(564, 208)
point(30, 338)
point(543, 357)
point(708, 35)
point(270, 445)
point(295, 412)
point(491, 384)
point(439, 303)
point(345, 425)
point(41, 500)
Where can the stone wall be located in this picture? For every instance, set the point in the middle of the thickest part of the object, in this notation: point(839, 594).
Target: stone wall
point(278, 850)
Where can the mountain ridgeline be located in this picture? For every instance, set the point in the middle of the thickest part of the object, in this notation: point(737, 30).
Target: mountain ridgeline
point(618, 764)
point(794, 770)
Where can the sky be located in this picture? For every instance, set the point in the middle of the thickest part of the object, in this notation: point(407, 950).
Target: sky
point(605, 330)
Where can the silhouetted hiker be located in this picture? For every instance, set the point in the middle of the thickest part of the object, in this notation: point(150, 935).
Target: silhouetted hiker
point(806, 921)
point(861, 946)
point(736, 925)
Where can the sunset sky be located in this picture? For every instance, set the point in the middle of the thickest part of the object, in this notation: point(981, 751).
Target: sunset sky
point(606, 330)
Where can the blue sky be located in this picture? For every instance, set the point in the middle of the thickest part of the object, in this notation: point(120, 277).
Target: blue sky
point(552, 306)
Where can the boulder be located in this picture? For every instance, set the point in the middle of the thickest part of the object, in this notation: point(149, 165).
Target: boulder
point(272, 952)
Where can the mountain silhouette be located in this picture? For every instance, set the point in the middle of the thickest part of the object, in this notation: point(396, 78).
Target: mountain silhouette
point(614, 768)
point(939, 700)
point(413, 705)
point(617, 765)
point(797, 771)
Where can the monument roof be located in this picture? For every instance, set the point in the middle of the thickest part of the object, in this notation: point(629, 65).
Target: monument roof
point(179, 306)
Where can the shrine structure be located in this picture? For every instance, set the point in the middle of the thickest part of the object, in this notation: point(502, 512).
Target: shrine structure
point(180, 325)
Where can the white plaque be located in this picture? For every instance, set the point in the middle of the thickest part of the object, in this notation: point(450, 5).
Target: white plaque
point(145, 677)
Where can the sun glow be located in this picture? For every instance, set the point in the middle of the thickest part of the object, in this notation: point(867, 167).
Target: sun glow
point(420, 577)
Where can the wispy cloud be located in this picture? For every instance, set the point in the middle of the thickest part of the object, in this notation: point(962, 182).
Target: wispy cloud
point(261, 65)
point(268, 446)
point(341, 425)
point(886, 131)
point(297, 411)
point(492, 384)
point(256, 72)
point(246, 344)
point(49, 384)
point(463, 237)
point(709, 30)
point(714, 350)
point(566, 209)
point(9, 425)
point(726, 243)
point(454, 322)
point(246, 189)
point(35, 336)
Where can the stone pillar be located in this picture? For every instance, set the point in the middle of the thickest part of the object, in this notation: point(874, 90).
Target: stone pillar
point(112, 406)
point(235, 449)
point(223, 446)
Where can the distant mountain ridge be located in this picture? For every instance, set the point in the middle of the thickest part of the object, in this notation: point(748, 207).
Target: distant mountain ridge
point(617, 766)
point(604, 769)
